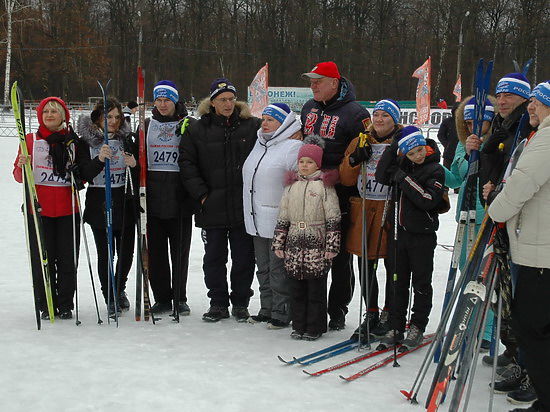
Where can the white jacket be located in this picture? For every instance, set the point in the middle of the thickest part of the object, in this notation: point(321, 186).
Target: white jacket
point(524, 203)
point(263, 177)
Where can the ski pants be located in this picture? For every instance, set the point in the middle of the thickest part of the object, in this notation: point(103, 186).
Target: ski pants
point(309, 305)
point(123, 245)
point(58, 238)
point(215, 261)
point(273, 280)
point(415, 253)
point(177, 233)
point(373, 286)
point(531, 324)
point(342, 277)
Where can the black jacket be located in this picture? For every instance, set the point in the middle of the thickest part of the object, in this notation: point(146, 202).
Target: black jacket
point(94, 211)
point(166, 196)
point(420, 187)
point(212, 153)
point(448, 137)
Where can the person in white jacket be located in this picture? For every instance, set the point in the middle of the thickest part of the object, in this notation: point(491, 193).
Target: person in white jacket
point(523, 204)
point(273, 155)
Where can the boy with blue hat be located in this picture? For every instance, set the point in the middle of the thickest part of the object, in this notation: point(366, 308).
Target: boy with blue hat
point(411, 165)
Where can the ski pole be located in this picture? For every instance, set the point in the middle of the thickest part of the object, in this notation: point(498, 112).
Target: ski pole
point(75, 254)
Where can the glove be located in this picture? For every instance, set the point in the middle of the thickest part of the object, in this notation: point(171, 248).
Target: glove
point(498, 137)
point(360, 155)
point(398, 175)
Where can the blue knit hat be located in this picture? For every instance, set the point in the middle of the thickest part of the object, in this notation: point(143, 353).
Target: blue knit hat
point(542, 92)
point(279, 111)
point(515, 83)
point(469, 110)
point(391, 107)
point(221, 85)
point(411, 137)
point(166, 89)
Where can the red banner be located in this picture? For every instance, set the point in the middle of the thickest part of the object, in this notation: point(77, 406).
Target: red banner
point(423, 91)
point(258, 90)
point(457, 91)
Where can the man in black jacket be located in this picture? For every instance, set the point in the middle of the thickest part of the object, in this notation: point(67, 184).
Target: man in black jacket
point(334, 115)
point(212, 153)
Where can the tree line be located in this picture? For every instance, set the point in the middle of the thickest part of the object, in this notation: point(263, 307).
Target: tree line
point(62, 47)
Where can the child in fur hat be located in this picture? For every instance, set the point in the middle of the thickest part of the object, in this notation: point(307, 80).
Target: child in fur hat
point(307, 237)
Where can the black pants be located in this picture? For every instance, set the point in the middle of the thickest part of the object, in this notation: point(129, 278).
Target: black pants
point(178, 232)
point(374, 289)
point(309, 305)
point(342, 278)
point(415, 253)
point(58, 238)
point(531, 323)
point(123, 247)
point(215, 261)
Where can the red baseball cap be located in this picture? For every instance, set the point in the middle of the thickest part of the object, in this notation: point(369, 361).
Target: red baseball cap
point(323, 69)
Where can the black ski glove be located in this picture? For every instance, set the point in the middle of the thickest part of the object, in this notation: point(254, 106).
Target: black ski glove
point(360, 155)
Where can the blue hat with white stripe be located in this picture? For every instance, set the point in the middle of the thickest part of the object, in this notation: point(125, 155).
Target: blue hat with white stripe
point(542, 93)
point(166, 89)
point(411, 137)
point(469, 110)
point(389, 106)
point(515, 83)
point(279, 111)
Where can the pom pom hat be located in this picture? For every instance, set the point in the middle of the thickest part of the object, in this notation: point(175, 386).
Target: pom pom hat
point(411, 137)
point(166, 89)
point(391, 107)
point(469, 110)
point(515, 83)
point(323, 69)
point(312, 148)
point(542, 93)
point(279, 111)
point(220, 86)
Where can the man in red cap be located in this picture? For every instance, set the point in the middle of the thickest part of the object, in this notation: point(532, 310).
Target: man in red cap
point(334, 115)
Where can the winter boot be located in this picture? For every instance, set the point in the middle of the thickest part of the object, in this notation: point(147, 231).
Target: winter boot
point(123, 302)
point(485, 346)
point(502, 360)
point(511, 384)
point(391, 338)
point(524, 395)
point(414, 338)
point(215, 313)
point(240, 313)
point(111, 310)
point(506, 371)
point(159, 308)
point(184, 309)
point(259, 318)
point(371, 319)
point(295, 334)
point(337, 322)
point(276, 324)
point(65, 314)
point(383, 325)
point(311, 336)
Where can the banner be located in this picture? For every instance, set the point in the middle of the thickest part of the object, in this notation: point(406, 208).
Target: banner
point(258, 89)
point(295, 97)
point(423, 91)
point(457, 91)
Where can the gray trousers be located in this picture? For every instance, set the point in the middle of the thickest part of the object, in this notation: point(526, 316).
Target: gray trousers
point(273, 280)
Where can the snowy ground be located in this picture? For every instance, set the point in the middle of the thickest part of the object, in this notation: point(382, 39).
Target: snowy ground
point(191, 366)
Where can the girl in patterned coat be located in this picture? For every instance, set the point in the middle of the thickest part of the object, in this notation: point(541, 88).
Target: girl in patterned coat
point(307, 237)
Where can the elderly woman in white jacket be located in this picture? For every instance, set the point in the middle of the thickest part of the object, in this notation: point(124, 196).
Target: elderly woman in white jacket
point(524, 204)
point(274, 154)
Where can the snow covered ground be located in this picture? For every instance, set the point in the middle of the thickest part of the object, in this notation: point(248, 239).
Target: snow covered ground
point(190, 366)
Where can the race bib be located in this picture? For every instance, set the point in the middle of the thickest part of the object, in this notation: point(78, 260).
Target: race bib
point(42, 165)
point(162, 147)
point(118, 168)
point(373, 190)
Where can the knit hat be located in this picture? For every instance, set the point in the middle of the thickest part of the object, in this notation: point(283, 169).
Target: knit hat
point(515, 83)
point(221, 85)
point(131, 104)
point(312, 148)
point(391, 107)
point(542, 93)
point(40, 108)
point(166, 89)
point(279, 111)
point(323, 69)
point(411, 137)
point(469, 110)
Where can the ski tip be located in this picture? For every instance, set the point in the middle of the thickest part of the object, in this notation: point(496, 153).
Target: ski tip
point(406, 394)
point(344, 378)
point(308, 373)
point(282, 360)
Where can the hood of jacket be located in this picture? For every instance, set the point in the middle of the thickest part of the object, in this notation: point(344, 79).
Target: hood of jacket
point(329, 177)
point(286, 130)
point(93, 135)
point(346, 94)
point(205, 108)
point(461, 128)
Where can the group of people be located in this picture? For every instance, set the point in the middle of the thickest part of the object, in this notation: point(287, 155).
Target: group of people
point(297, 197)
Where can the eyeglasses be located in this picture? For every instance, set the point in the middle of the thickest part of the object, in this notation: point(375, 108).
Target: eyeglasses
point(226, 99)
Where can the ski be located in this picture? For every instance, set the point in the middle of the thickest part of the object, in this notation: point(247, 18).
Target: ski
point(427, 340)
point(329, 354)
point(317, 353)
point(142, 222)
point(108, 209)
point(367, 355)
point(30, 194)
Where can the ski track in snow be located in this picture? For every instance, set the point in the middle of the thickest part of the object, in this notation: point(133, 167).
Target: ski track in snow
point(193, 365)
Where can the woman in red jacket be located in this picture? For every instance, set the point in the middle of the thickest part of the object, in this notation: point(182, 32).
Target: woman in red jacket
point(49, 156)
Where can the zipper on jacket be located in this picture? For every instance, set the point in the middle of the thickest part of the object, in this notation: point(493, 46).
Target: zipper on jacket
point(252, 190)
